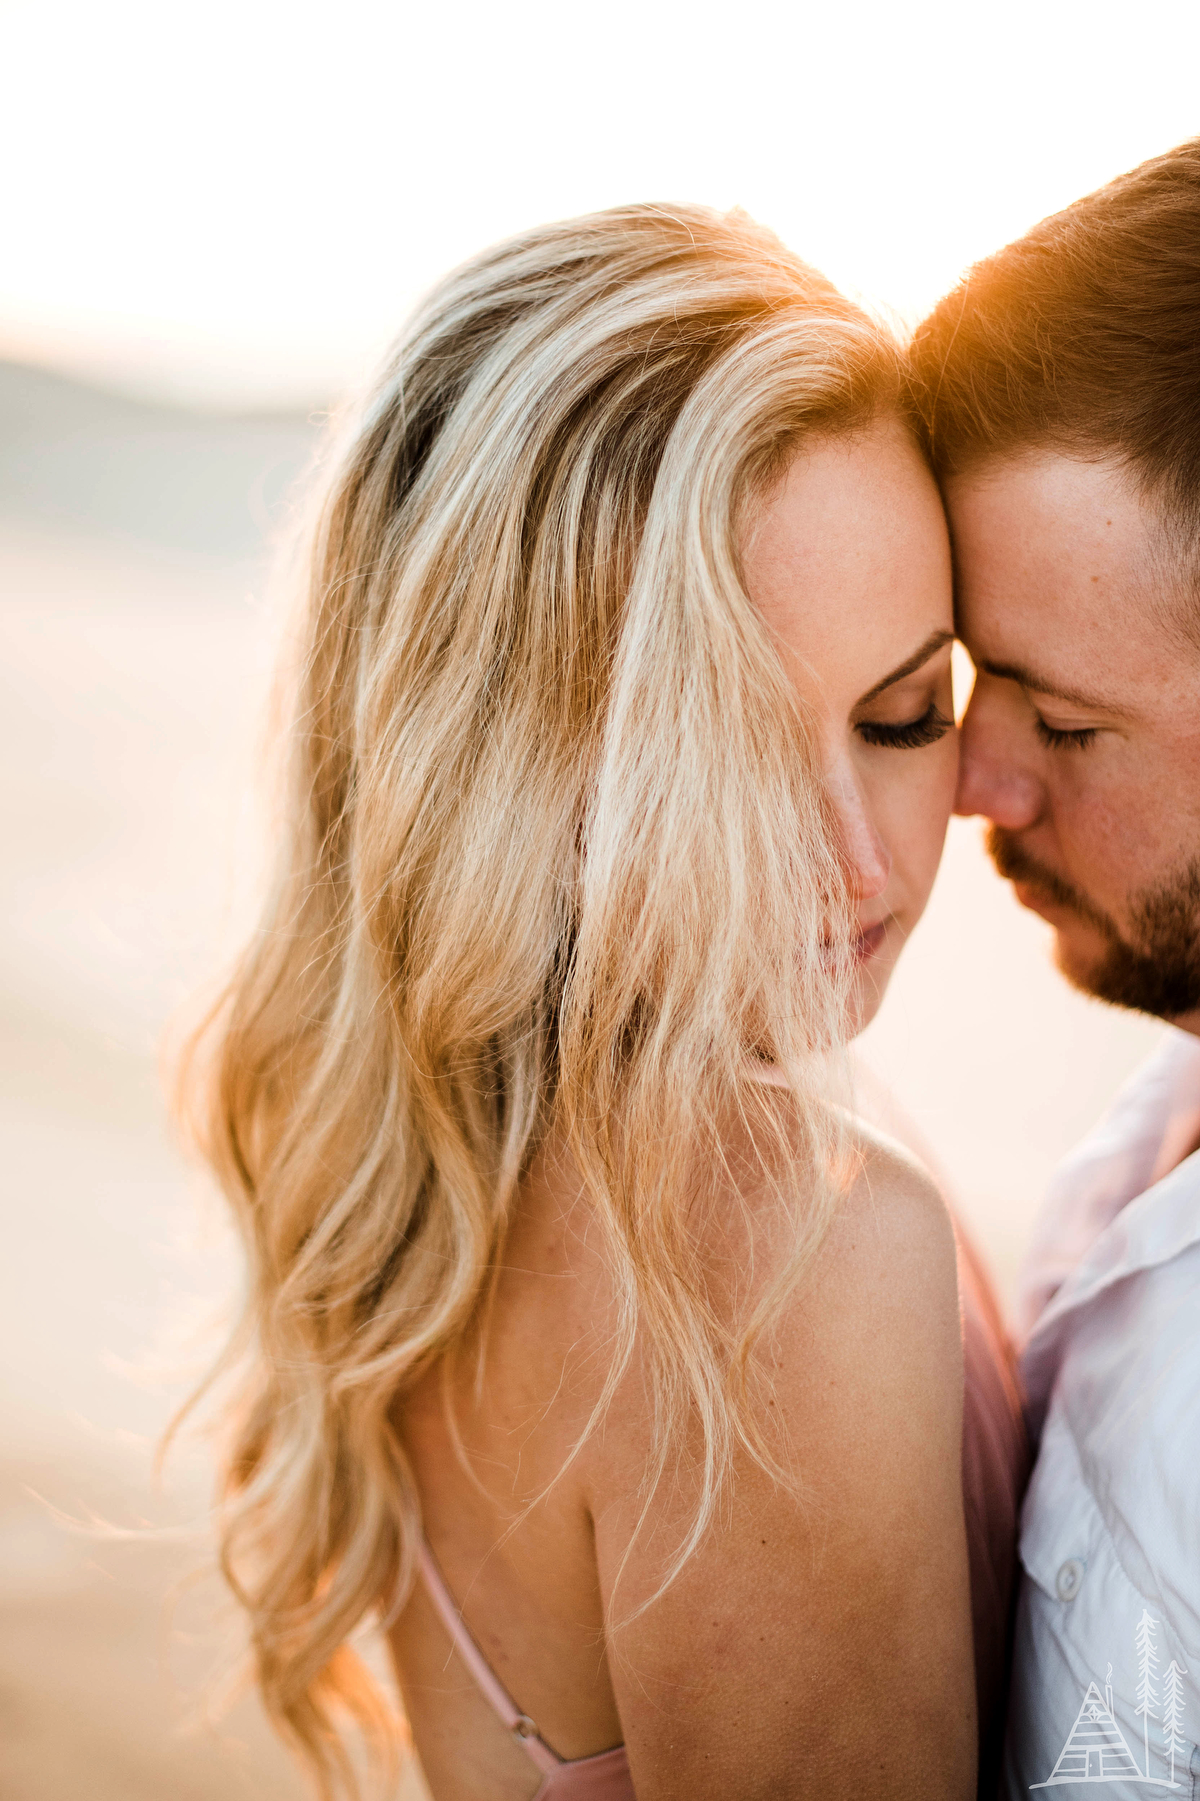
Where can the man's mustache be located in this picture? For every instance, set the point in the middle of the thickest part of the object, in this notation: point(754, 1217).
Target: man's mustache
point(1014, 862)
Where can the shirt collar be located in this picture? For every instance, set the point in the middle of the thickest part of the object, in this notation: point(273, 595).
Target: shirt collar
point(1149, 1230)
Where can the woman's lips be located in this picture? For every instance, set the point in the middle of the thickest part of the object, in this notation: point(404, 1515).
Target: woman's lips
point(869, 941)
point(864, 945)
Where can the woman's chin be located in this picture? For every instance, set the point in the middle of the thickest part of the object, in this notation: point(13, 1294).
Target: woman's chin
point(880, 951)
point(864, 1005)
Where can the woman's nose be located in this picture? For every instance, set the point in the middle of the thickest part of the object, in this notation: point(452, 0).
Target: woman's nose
point(993, 779)
point(867, 858)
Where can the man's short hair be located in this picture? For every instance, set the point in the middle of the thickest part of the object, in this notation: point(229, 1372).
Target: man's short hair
point(1081, 337)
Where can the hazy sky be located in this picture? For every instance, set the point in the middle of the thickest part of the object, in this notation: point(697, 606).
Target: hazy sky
point(240, 201)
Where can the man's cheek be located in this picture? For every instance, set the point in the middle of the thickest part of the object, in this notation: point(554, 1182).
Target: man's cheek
point(1109, 837)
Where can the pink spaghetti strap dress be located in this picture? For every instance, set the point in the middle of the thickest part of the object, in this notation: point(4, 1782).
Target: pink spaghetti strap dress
point(996, 1464)
point(604, 1777)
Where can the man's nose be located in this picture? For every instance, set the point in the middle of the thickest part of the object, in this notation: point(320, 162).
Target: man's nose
point(992, 777)
point(867, 859)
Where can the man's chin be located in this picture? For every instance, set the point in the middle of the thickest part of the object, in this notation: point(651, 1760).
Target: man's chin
point(1152, 966)
point(1083, 964)
point(1078, 944)
point(1113, 972)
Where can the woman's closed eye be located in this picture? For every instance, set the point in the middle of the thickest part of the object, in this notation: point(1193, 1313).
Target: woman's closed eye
point(911, 734)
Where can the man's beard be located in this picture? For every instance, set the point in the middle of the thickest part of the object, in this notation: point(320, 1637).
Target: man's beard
point(1156, 968)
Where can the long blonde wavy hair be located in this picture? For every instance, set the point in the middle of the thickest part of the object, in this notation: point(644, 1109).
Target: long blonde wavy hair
point(556, 857)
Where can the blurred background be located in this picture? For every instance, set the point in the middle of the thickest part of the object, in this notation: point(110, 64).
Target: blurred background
point(214, 221)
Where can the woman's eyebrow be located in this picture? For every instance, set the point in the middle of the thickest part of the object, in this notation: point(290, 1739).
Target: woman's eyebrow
point(931, 646)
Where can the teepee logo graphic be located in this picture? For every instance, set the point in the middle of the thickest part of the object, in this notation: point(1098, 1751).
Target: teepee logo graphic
point(1096, 1750)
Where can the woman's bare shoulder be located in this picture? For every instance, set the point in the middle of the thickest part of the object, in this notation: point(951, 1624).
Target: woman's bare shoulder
point(856, 1563)
point(873, 1311)
point(886, 1225)
point(875, 1301)
point(877, 1308)
point(894, 1198)
point(885, 1281)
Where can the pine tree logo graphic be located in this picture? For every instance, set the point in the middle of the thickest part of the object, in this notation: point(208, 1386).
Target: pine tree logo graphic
point(1096, 1749)
point(1147, 1659)
point(1172, 1717)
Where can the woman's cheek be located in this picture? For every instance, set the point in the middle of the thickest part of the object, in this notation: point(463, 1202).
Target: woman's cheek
point(949, 747)
point(939, 804)
point(921, 821)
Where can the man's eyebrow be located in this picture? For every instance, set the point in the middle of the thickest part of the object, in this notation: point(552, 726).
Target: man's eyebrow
point(930, 648)
point(1038, 684)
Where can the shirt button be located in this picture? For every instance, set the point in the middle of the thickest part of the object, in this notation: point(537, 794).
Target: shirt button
point(1069, 1578)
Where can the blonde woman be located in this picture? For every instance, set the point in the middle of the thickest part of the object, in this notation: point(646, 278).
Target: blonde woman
point(590, 1344)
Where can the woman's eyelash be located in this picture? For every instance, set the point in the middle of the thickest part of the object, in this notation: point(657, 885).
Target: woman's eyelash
point(1053, 739)
point(931, 726)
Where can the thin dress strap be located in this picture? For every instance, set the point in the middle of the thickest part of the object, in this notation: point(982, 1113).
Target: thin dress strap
point(488, 1683)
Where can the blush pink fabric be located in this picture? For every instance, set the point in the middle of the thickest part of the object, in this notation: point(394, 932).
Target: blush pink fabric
point(604, 1777)
point(995, 1465)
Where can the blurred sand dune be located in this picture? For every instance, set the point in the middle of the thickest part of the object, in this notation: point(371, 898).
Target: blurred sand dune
point(131, 581)
point(96, 1685)
point(133, 645)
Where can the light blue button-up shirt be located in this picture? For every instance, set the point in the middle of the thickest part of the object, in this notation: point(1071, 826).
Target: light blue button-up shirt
point(1106, 1674)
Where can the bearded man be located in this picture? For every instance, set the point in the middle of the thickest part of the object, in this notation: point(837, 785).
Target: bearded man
point(1061, 385)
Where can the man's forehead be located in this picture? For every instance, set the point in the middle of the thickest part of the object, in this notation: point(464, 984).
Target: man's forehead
point(1045, 508)
point(1059, 569)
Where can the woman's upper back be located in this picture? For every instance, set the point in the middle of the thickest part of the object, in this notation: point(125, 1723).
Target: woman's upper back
point(796, 1612)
